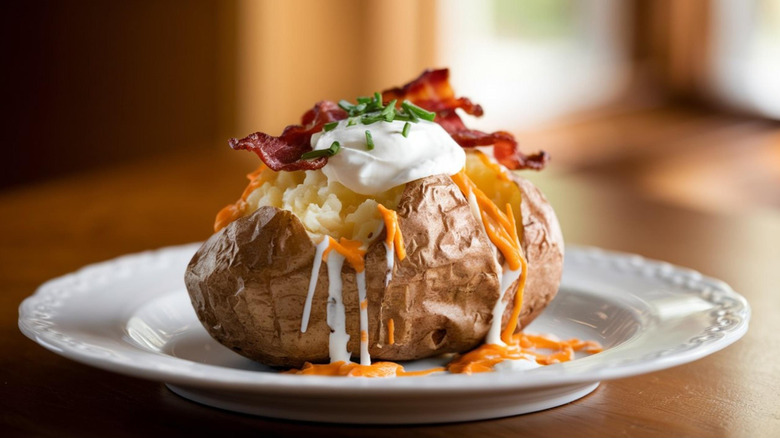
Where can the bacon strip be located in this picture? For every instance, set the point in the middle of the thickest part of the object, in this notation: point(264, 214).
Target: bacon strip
point(504, 144)
point(284, 152)
point(432, 91)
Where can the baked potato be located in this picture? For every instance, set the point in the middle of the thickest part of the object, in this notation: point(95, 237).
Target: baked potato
point(248, 283)
point(308, 267)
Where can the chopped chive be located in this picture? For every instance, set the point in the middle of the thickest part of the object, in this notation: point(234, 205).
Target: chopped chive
point(334, 148)
point(374, 104)
point(359, 108)
point(315, 154)
point(351, 122)
point(405, 132)
point(370, 118)
point(330, 126)
point(388, 114)
point(419, 112)
point(390, 106)
point(364, 99)
point(369, 140)
point(345, 105)
point(329, 152)
point(405, 105)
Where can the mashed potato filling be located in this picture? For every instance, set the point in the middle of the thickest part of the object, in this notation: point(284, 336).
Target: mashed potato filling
point(326, 208)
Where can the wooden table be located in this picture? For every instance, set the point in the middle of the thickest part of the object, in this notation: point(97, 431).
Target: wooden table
point(55, 227)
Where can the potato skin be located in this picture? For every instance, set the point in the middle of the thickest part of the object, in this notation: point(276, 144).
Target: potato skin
point(249, 281)
point(239, 284)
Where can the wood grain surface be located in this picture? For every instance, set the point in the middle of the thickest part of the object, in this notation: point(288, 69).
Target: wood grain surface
point(56, 227)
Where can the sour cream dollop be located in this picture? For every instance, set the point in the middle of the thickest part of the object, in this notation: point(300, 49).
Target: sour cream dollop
point(427, 150)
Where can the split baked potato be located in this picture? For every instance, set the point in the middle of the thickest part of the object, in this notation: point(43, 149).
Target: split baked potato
point(249, 281)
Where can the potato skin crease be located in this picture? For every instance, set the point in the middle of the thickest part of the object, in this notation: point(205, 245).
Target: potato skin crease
point(249, 281)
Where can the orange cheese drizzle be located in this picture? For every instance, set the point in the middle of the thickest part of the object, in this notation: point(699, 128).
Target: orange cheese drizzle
point(501, 230)
point(479, 360)
point(511, 326)
point(394, 236)
point(234, 211)
point(377, 369)
point(390, 331)
point(351, 250)
point(520, 346)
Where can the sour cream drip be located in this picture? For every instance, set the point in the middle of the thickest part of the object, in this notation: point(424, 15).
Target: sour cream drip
point(390, 256)
point(508, 278)
point(336, 315)
point(336, 312)
point(315, 273)
point(427, 150)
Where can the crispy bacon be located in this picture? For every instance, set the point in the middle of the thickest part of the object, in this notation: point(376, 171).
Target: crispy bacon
point(284, 152)
point(432, 91)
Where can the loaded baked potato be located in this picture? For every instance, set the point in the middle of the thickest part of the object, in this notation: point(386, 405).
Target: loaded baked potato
point(314, 264)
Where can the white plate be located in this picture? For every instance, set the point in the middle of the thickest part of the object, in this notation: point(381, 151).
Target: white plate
point(132, 315)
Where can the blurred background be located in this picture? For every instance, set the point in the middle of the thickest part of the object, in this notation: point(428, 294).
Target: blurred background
point(676, 99)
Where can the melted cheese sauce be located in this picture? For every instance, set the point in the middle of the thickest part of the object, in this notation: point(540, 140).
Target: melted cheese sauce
point(351, 369)
point(545, 350)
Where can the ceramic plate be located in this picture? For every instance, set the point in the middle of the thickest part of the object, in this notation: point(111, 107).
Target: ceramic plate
point(132, 315)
